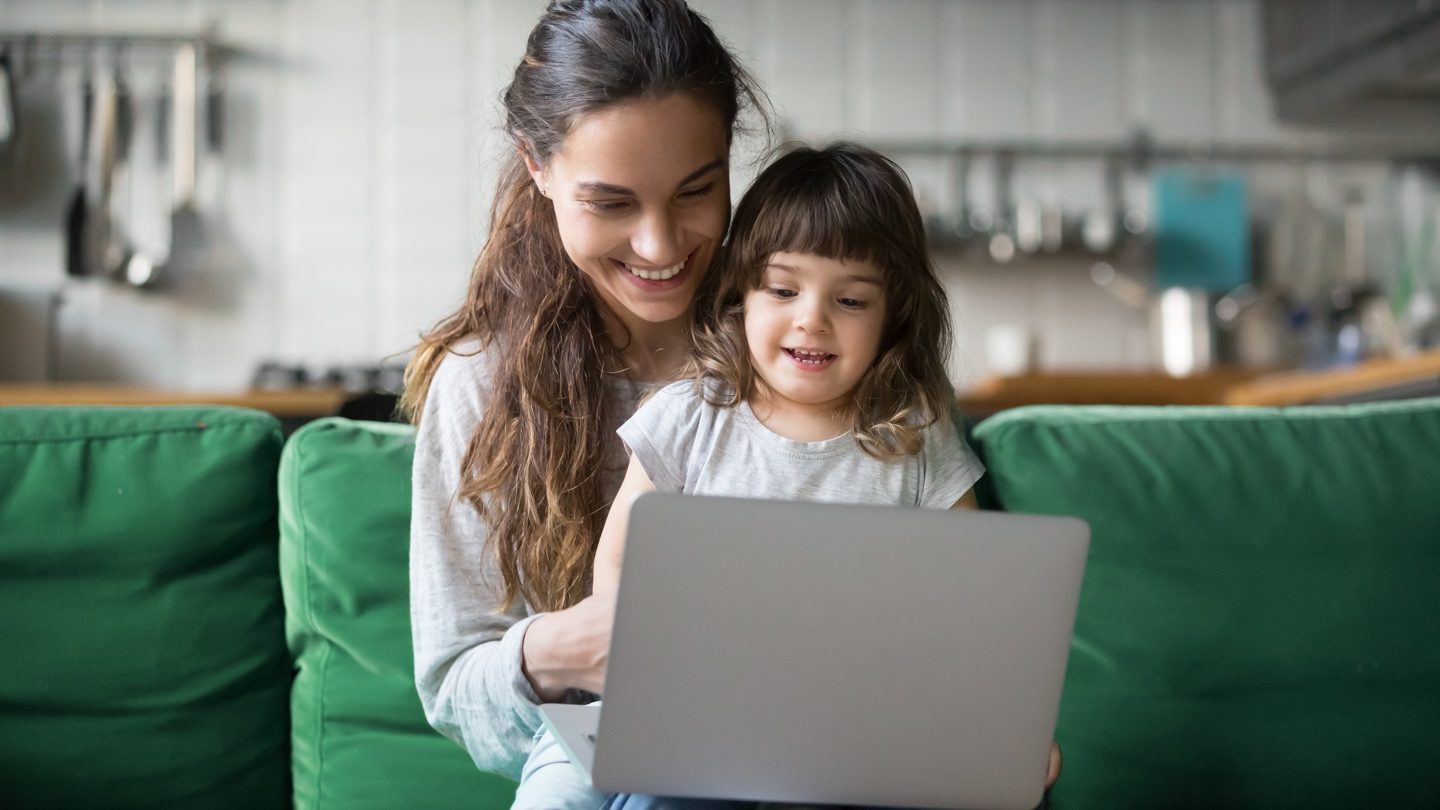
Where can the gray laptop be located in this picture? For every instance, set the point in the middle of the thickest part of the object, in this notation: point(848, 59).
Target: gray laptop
point(831, 654)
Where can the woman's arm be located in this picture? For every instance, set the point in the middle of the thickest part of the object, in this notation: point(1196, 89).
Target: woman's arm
point(468, 659)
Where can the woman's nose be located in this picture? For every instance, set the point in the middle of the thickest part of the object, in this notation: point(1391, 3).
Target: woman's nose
point(658, 238)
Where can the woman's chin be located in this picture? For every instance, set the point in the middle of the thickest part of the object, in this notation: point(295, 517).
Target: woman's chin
point(655, 312)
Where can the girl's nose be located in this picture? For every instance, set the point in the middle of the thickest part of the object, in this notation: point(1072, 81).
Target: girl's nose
point(811, 316)
point(657, 238)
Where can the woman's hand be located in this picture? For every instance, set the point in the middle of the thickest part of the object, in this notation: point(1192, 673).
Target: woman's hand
point(1052, 771)
point(568, 649)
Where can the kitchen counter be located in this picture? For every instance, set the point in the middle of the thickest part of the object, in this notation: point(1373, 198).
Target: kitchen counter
point(300, 403)
point(1388, 378)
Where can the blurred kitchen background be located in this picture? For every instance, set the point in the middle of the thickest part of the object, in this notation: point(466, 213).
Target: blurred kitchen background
point(200, 196)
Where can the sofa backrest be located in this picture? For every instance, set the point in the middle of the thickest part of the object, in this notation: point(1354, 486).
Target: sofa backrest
point(141, 624)
point(360, 737)
point(1260, 620)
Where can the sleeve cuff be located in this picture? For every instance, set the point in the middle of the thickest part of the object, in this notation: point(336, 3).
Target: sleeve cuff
point(527, 703)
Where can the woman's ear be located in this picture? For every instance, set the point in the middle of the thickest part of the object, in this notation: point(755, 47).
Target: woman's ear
point(537, 172)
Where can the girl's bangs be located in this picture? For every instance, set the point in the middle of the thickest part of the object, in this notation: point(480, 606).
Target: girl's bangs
point(813, 216)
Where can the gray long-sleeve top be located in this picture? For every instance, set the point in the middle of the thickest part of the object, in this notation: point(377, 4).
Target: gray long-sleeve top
point(467, 655)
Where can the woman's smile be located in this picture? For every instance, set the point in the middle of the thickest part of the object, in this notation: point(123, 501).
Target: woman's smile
point(651, 278)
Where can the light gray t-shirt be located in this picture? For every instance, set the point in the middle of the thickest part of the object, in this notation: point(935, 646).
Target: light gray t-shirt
point(688, 445)
point(467, 655)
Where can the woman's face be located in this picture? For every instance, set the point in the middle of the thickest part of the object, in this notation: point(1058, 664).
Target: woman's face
point(641, 191)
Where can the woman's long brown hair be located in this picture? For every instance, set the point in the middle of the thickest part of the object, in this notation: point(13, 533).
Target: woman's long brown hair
point(535, 465)
point(842, 202)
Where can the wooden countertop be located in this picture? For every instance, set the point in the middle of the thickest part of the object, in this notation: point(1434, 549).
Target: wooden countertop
point(1101, 388)
point(1224, 386)
point(1303, 387)
point(302, 403)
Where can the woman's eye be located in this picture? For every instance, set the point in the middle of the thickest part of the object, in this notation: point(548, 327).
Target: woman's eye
point(606, 205)
point(698, 192)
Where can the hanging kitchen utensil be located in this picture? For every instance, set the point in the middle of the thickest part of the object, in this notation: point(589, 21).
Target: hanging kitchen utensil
point(179, 148)
point(8, 114)
point(1202, 229)
point(1002, 233)
point(118, 249)
point(102, 165)
point(211, 166)
point(77, 210)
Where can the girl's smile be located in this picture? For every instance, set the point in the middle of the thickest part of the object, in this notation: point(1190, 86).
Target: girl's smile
point(810, 359)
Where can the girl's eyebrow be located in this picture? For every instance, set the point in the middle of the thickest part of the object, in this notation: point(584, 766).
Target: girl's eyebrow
point(862, 278)
point(596, 187)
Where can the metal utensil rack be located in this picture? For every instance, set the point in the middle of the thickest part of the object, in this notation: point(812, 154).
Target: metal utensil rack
point(61, 44)
point(1140, 149)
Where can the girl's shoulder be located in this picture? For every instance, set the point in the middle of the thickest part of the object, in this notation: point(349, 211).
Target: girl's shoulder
point(679, 397)
point(689, 402)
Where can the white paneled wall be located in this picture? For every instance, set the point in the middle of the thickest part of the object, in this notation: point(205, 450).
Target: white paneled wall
point(361, 146)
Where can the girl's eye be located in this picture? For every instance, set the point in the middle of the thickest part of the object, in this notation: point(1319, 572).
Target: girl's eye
point(696, 193)
point(781, 292)
point(852, 303)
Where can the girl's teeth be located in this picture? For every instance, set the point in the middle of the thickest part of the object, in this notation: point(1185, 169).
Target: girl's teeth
point(809, 357)
point(657, 275)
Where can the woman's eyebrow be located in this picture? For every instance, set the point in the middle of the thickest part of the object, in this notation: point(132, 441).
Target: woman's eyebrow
point(597, 187)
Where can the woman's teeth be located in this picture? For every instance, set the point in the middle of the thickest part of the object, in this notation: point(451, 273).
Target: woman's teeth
point(663, 274)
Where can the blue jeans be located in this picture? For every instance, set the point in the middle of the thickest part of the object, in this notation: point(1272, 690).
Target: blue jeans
point(550, 781)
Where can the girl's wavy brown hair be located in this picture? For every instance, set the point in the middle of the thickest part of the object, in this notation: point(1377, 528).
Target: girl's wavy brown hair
point(849, 203)
point(535, 466)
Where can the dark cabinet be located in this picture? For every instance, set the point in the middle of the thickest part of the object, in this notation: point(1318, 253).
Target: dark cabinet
point(1333, 59)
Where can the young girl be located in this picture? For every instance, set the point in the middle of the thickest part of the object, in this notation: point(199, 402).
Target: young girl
point(818, 373)
point(819, 367)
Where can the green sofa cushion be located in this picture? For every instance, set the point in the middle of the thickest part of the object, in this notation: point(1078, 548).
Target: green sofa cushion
point(140, 613)
point(360, 739)
point(1260, 620)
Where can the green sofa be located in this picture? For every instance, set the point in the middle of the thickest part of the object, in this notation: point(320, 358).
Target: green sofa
point(197, 613)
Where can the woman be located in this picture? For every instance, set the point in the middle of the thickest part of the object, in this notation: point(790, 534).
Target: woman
point(608, 214)
point(606, 217)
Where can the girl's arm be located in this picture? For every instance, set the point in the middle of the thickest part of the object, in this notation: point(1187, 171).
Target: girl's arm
point(967, 501)
point(612, 537)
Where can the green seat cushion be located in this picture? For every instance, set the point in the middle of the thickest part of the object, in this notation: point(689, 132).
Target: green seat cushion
point(1260, 619)
point(360, 739)
point(140, 613)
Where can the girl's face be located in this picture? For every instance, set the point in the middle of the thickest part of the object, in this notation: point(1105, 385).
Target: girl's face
point(813, 328)
point(641, 191)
